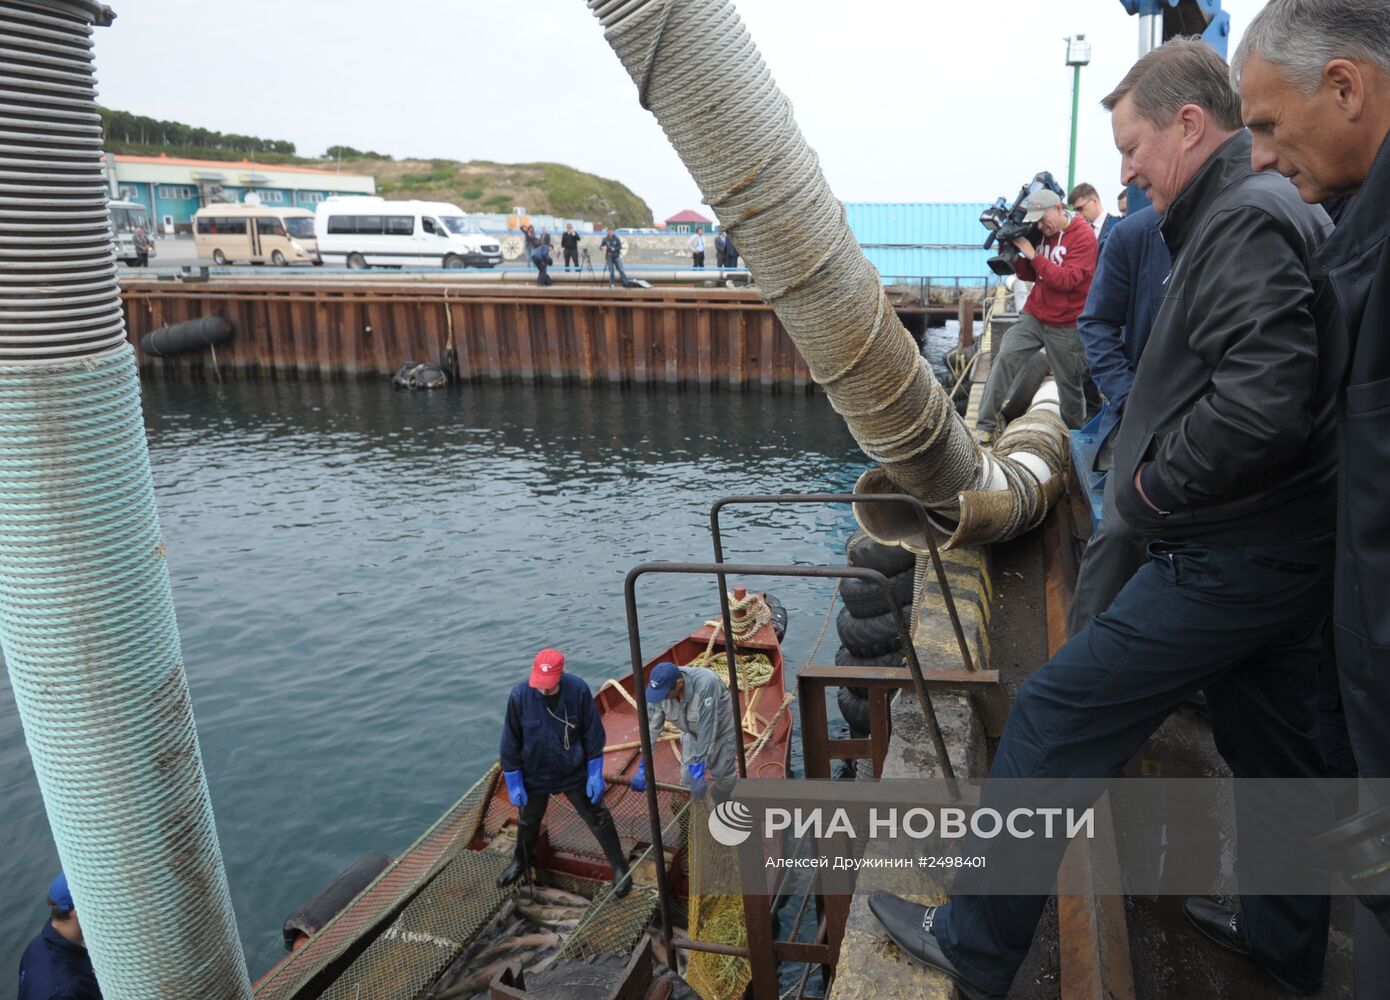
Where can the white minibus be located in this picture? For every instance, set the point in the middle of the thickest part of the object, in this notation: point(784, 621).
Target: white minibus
point(363, 231)
point(255, 233)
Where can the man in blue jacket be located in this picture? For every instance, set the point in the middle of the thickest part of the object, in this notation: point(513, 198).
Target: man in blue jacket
point(56, 965)
point(1114, 327)
point(552, 743)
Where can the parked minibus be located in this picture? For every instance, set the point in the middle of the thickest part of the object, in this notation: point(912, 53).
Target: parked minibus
point(364, 231)
point(256, 234)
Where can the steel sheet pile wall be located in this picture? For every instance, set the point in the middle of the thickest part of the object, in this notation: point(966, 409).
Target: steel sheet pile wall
point(318, 330)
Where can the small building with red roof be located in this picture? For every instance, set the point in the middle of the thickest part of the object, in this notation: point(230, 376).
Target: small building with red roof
point(685, 222)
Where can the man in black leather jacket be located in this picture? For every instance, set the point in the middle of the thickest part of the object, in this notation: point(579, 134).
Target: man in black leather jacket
point(1315, 91)
point(1225, 462)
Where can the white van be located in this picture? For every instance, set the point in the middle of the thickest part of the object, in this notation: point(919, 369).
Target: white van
point(363, 231)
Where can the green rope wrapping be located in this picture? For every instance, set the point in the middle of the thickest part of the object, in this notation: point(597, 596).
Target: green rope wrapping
point(89, 635)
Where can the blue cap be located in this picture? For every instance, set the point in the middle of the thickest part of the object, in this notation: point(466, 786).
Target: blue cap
point(59, 896)
point(663, 679)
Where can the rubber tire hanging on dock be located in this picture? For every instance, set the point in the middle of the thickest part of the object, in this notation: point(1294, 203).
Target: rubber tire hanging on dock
point(865, 600)
point(869, 636)
point(865, 553)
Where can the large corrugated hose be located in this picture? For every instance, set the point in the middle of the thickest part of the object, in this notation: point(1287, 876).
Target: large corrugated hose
point(86, 612)
point(734, 131)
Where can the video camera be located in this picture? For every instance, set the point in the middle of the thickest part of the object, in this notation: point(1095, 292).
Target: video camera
point(1005, 223)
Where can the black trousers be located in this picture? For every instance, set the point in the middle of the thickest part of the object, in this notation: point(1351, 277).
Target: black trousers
point(571, 258)
point(596, 817)
point(543, 278)
point(1245, 624)
point(698, 259)
point(142, 259)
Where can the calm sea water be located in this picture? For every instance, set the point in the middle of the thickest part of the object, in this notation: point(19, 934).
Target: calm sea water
point(362, 574)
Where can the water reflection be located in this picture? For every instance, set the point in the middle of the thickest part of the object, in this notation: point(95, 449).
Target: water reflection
point(361, 574)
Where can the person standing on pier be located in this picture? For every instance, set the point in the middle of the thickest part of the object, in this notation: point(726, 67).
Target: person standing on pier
point(1315, 93)
point(1084, 200)
point(569, 246)
point(1225, 461)
point(696, 246)
point(613, 258)
point(700, 706)
point(532, 241)
point(56, 965)
point(143, 245)
point(552, 744)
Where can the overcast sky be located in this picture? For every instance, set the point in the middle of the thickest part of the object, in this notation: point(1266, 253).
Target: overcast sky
point(904, 100)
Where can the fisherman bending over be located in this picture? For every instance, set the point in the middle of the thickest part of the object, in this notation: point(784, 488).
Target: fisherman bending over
point(552, 743)
point(56, 965)
point(699, 704)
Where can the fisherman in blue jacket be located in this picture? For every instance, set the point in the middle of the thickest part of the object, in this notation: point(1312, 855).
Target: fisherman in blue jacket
point(56, 965)
point(552, 743)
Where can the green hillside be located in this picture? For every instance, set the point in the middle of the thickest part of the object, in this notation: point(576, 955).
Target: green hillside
point(475, 186)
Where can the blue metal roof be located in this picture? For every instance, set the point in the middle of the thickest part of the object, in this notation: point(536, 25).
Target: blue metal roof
point(923, 239)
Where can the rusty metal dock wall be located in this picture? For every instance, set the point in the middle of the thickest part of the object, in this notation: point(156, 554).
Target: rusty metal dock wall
point(289, 329)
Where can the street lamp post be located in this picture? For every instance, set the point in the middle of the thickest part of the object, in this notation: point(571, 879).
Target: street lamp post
point(1078, 55)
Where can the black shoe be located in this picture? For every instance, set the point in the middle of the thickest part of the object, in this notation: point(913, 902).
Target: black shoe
point(1222, 925)
point(511, 873)
point(909, 925)
point(622, 882)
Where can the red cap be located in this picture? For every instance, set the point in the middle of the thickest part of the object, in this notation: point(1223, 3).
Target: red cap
point(546, 668)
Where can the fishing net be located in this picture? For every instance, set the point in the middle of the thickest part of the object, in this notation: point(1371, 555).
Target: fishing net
point(401, 880)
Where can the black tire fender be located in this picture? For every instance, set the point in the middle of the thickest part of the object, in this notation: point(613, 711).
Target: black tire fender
point(869, 636)
point(865, 553)
point(865, 600)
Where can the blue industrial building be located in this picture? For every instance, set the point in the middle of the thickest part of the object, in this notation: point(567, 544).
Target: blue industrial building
point(912, 241)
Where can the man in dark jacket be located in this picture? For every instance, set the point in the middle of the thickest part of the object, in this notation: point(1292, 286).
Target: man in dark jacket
point(552, 743)
point(613, 258)
point(1224, 459)
point(56, 965)
point(569, 246)
point(1322, 73)
point(1120, 312)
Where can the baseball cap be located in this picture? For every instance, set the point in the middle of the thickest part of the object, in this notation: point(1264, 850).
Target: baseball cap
point(1039, 202)
point(546, 668)
point(59, 896)
point(663, 679)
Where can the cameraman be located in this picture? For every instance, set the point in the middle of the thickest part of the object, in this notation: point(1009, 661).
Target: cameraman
point(1061, 271)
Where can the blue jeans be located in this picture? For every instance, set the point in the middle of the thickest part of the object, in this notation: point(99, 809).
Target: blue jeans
point(1246, 625)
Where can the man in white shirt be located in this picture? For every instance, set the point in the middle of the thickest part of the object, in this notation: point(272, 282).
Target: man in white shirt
point(697, 247)
point(1085, 200)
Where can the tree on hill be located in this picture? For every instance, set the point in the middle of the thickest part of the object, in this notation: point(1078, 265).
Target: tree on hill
point(124, 127)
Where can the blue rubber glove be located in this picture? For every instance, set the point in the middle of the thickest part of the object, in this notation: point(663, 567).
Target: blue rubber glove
point(697, 779)
point(516, 788)
point(639, 780)
point(595, 786)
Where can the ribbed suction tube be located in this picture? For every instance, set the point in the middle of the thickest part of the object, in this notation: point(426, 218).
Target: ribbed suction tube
point(86, 613)
point(735, 132)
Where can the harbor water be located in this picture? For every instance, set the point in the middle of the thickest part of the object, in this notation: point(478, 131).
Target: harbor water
point(362, 574)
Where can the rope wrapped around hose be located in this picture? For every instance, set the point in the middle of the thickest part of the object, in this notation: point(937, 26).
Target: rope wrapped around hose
point(735, 132)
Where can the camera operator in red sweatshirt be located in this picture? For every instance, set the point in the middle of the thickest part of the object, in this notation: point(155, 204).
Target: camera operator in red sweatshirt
point(1061, 270)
